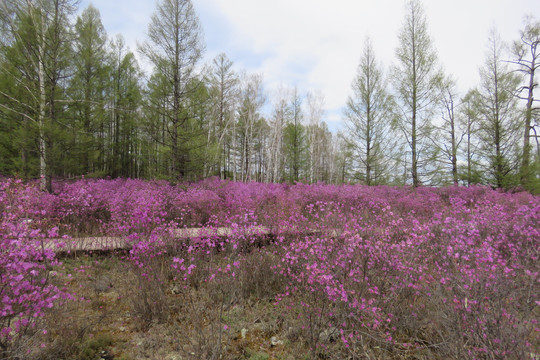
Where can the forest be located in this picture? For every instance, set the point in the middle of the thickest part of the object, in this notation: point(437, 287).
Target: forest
point(75, 103)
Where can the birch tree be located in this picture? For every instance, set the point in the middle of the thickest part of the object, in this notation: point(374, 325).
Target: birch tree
point(315, 113)
point(249, 114)
point(37, 39)
point(448, 138)
point(275, 154)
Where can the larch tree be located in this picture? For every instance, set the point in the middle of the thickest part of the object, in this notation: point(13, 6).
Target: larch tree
point(155, 124)
point(526, 55)
point(87, 87)
point(120, 143)
point(175, 46)
point(468, 119)
point(499, 115)
point(224, 92)
point(417, 77)
point(294, 138)
point(368, 116)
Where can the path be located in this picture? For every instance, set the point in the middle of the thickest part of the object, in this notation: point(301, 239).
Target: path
point(104, 243)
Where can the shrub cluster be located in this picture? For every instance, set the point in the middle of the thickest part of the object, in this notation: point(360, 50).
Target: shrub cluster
point(453, 271)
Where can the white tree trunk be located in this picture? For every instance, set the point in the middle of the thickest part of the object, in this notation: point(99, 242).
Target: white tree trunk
point(42, 103)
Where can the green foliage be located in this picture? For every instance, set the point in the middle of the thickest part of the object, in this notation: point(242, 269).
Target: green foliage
point(88, 86)
point(91, 348)
point(74, 102)
point(417, 77)
point(500, 128)
point(368, 115)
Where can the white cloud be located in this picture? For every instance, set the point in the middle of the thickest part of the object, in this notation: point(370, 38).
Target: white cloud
point(316, 44)
point(312, 44)
point(130, 18)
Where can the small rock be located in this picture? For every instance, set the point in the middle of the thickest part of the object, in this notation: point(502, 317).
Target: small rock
point(102, 284)
point(110, 295)
point(106, 356)
point(275, 342)
point(258, 326)
point(329, 335)
point(174, 357)
point(243, 333)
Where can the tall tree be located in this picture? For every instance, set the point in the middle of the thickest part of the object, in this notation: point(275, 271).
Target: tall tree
point(155, 125)
point(295, 137)
point(447, 135)
point(39, 46)
point(315, 113)
point(224, 92)
point(368, 116)
point(275, 153)
point(175, 46)
point(87, 87)
point(469, 124)
point(526, 54)
point(499, 114)
point(253, 99)
point(119, 143)
point(416, 79)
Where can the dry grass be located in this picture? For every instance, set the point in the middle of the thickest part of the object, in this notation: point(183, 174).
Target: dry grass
point(116, 316)
point(109, 318)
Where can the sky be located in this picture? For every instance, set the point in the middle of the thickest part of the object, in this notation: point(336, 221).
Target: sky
point(316, 45)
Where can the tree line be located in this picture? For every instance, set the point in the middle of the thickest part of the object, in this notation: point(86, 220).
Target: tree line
point(74, 102)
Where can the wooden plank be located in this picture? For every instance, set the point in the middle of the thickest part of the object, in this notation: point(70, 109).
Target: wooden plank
point(108, 243)
point(103, 243)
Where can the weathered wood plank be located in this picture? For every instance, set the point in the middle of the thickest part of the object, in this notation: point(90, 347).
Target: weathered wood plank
point(109, 243)
point(103, 243)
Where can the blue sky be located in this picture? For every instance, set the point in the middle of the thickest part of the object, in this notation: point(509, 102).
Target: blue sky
point(315, 45)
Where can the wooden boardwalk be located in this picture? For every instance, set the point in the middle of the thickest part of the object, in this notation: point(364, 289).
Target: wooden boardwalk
point(111, 243)
point(108, 243)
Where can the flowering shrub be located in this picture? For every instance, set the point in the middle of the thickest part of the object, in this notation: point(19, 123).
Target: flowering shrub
point(387, 270)
point(25, 292)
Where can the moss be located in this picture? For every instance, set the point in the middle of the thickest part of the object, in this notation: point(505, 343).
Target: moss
point(92, 347)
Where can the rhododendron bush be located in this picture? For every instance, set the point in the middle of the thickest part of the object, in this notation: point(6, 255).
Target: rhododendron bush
point(25, 291)
point(451, 270)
